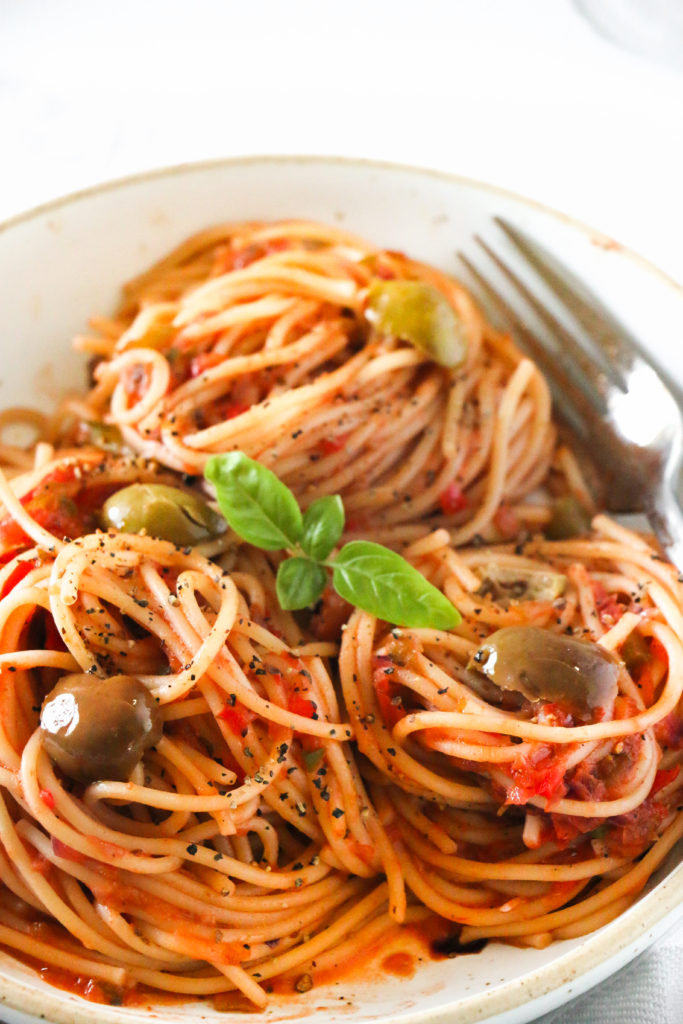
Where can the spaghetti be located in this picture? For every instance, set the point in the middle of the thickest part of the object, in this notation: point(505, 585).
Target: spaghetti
point(251, 337)
point(305, 783)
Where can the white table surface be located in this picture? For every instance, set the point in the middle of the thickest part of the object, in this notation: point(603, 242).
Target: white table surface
point(520, 93)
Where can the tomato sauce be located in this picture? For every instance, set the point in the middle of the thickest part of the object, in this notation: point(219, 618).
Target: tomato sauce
point(397, 953)
point(400, 964)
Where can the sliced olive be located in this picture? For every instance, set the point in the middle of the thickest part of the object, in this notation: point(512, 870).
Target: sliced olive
point(578, 675)
point(478, 683)
point(102, 435)
point(505, 582)
point(417, 312)
point(569, 519)
point(99, 728)
point(164, 512)
point(635, 652)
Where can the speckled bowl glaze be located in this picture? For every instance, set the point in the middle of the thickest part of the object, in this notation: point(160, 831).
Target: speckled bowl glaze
point(61, 262)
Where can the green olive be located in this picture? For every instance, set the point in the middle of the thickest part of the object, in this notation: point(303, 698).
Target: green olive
point(99, 728)
point(103, 435)
point(418, 312)
point(505, 582)
point(164, 512)
point(569, 519)
point(576, 674)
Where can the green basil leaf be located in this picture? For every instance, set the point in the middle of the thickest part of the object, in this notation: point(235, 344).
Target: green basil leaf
point(258, 506)
point(379, 581)
point(323, 526)
point(299, 583)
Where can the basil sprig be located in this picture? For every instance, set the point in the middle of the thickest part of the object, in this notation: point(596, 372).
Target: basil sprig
point(264, 512)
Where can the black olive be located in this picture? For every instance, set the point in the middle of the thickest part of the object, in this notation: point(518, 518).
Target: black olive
point(576, 674)
point(99, 728)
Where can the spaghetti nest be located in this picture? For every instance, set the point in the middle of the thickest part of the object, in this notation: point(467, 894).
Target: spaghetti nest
point(502, 809)
point(255, 337)
point(244, 828)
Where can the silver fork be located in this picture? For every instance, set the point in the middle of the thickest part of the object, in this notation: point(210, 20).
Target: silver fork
point(619, 408)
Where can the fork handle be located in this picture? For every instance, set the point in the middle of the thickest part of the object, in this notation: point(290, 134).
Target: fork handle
point(666, 516)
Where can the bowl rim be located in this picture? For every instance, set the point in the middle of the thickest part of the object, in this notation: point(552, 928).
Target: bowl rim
point(162, 171)
point(621, 939)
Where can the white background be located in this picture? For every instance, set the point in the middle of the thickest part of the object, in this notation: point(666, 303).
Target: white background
point(521, 93)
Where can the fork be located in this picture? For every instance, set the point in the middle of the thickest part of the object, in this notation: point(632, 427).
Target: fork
point(622, 413)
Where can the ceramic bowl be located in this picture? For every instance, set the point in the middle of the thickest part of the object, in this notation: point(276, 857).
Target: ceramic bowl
point(64, 261)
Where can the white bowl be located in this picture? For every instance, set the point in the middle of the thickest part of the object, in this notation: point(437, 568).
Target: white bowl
point(64, 261)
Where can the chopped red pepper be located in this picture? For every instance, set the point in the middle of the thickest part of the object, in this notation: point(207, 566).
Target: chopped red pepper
point(453, 499)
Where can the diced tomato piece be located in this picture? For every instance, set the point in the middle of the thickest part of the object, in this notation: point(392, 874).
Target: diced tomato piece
point(541, 773)
point(295, 687)
point(381, 267)
point(234, 409)
point(20, 571)
point(608, 608)
point(387, 691)
point(53, 640)
point(245, 257)
point(300, 705)
point(453, 499)
point(393, 832)
point(355, 524)
point(236, 717)
point(553, 714)
point(48, 799)
point(631, 833)
point(333, 612)
point(568, 828)
point(669, 731)
point(12, 536)
point(663, 777)
point(61, 849)
point(332, 445)
point(59, 503)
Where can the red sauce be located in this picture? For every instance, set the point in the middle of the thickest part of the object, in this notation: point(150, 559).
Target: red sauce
point(398, 953)
point(401, 964)
point(86, 988)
